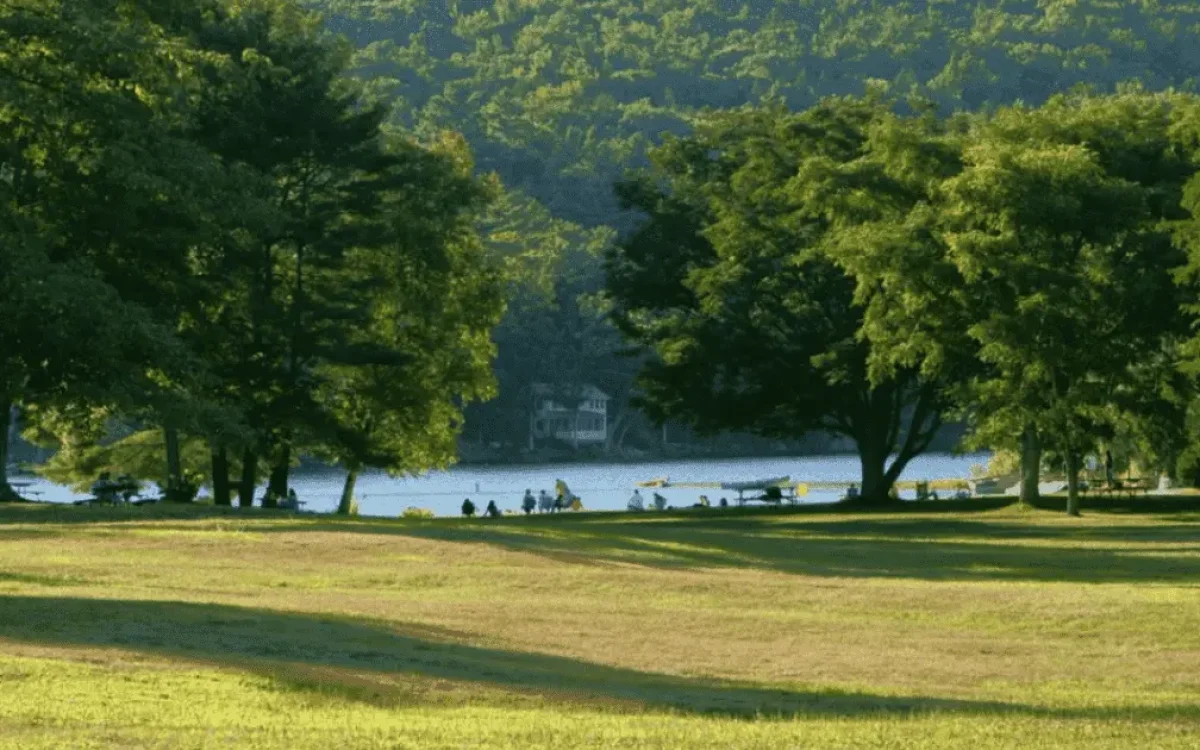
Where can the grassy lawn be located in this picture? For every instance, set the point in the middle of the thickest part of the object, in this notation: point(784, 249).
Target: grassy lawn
point(190, 627)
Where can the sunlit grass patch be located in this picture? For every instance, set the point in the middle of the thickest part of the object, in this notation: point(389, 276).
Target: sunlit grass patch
point(767, 629)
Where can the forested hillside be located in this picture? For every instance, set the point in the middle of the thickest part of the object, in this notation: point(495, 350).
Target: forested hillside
point(559, 96)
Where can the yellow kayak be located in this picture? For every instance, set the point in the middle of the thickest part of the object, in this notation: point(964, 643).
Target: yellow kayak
point(659, 482)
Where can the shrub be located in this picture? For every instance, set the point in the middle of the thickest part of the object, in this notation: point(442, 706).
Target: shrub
point(412, 512)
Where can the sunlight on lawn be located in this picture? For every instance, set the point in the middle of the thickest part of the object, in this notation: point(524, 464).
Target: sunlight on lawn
point(998, 628)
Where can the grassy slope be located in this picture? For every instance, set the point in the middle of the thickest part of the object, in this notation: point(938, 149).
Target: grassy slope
point(189, 628)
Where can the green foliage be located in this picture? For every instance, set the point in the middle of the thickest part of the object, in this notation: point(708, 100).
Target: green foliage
point(732, 284)
point(1001, 463)
point(437, 296)
point(224, 242)
point(103, 203)
point(819, 270)
point(141, 455)
point(1050, 265)
point(560, 96)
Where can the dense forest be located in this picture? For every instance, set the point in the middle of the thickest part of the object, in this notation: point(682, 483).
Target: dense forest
point(386, 233)
point(561, 97)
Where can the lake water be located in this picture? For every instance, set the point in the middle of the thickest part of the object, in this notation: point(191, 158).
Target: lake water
point(600, 486)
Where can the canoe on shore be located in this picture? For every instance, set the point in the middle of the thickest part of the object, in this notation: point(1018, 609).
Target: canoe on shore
point(758, 484)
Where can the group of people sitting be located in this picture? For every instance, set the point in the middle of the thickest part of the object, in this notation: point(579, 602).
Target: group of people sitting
point(124, 488)
point(545, 503)
point(636, 503)
point(108, 490)
point(468, 509)
point(286, 502)
point(564, 499)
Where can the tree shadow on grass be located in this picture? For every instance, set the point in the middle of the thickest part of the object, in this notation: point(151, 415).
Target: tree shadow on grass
point(392, 664)
point(916, 547)
point(924, 543)
point(862, 551)
point(371, 661)
point(44, 513)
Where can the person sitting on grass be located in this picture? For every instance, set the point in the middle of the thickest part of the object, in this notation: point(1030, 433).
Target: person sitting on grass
point(635, 502)
point(660, 502)
point(492, 511)
point(724, 503)
point(468, 508)
point(290, 502)
point(528, 503)
point(560, 503)
point(128, 487)
point(104, 489)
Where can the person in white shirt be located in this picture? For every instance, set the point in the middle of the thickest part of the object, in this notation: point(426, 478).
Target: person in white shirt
point(635, 501)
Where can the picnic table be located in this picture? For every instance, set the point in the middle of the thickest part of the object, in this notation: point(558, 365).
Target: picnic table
point(771, 491)
point(22, 489)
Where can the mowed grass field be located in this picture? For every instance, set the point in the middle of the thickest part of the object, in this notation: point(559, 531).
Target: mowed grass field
point(1000, 628)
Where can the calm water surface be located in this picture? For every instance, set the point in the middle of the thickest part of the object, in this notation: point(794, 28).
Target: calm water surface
point(601, 486)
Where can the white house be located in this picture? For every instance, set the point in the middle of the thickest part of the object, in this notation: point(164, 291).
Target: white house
point(585, 422)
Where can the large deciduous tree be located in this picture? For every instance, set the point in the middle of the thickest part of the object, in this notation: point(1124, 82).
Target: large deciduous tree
point(1050, 263)
point(433, 295)
point(733, 283)
point(279, 108)
point(101, 202)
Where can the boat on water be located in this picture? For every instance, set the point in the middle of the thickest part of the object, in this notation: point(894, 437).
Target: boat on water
point(785, 489)
point(658, 482)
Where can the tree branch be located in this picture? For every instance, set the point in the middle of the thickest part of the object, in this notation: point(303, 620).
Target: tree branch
point(918, 439)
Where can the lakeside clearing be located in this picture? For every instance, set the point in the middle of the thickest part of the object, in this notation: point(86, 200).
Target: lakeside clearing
point(936, 627)
point(602, 486)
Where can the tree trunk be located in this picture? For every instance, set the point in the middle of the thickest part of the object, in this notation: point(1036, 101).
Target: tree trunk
point(346, 505)
point(615, 431)
point(249, 478)
point(873, 455)
point(1031, 465)
point(624, 431)
point(7, 493)
point(175, 491)
point(220, 476)
point(1072, 482)
point(277, 485)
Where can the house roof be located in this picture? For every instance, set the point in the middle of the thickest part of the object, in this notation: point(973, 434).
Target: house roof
point(586, 391)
